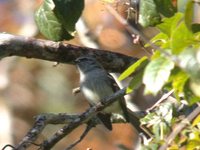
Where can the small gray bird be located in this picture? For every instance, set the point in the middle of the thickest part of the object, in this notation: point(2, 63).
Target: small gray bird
point(96, 84)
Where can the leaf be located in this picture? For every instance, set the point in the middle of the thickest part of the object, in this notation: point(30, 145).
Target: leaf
point(135, 82)
point(48, 24)
point(196, 121)
point(156, 74)
point(189, 95)
point(156, 130)
point(140, 63)
point(150, 119)
point(189, 61)
point(165, 7)
point(173, 147)
point(193, 144)
point(68, 12)
point(148, 14)
point(160, 39)
point(181, 38)
point(169, 24)
point(179, 81)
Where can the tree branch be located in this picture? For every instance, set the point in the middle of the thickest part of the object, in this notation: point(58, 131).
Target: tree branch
point(73, 122)
point(40, 123)
point(88, 114)
point(12, 45)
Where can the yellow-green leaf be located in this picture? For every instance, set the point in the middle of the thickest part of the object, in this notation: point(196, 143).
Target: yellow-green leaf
point(135, 82)
point(140, 63)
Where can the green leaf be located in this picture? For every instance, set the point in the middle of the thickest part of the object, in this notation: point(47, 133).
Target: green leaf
point(148, 15)
point(170, 24)
point(161, 39)
point(140, 63)
point(179, 81)
point(68, 12)
point(196, 121)
point(190, 62)
point(189, 95)
point(48, 23)
point(165, 7)
point(156, 74)
point(181, 38)
point(150, 118)
point(156, 130)
point(193, 144)
point(166, 111)
point(135, 82)
point(164, 129)
point(173, 147)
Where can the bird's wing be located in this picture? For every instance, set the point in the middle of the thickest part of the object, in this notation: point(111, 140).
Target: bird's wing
point(105, 119)
point(122, 101)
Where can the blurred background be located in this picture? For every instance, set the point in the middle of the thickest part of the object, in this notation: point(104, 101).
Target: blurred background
point(29, 87)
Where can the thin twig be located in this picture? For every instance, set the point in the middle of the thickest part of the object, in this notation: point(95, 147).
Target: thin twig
point(8, 145)
point(89, 126)
point(134, 31)
point(180, 127)
point(164, 97)
point(39, 125)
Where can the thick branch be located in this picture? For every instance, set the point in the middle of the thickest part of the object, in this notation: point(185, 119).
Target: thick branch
point(11, 45)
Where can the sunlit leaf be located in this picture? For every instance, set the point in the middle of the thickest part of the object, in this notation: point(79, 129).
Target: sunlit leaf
point(156, 74)
point(140, 63)
point(193, 144)
point(173, 147)
point(181, 38)
point(169, 24)
point(150, 118)
point(160, 39)
point(166, 111)
point(135, 82)
point(196, 121)
point(189, 60)
point(179, 81)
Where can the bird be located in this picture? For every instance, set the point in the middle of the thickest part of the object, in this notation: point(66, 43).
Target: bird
point(96, 84)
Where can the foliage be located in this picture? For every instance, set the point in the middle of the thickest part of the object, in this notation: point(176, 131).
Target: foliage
point(56, 19)
point(175, 64)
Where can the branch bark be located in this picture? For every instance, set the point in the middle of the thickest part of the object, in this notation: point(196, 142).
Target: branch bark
point(73, 122)
point(12, 45)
